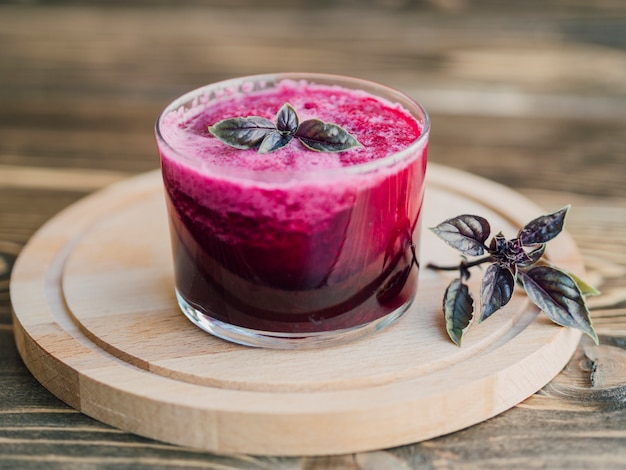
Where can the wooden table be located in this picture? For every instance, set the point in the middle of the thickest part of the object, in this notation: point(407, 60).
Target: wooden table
point(530, 95)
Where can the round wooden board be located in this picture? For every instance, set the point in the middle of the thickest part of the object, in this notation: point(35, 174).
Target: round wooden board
point(96, 322)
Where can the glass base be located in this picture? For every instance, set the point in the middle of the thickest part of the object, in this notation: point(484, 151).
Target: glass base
point(271, 340)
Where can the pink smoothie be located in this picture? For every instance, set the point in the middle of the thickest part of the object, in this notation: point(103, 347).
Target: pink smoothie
point(295, 241)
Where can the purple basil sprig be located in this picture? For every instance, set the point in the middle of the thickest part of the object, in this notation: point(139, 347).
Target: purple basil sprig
point(559, 294)
point(255, 132)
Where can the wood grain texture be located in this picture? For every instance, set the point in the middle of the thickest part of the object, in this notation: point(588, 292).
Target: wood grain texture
point(530, 94)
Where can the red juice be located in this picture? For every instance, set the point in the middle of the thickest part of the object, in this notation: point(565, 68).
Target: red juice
point(294, 243)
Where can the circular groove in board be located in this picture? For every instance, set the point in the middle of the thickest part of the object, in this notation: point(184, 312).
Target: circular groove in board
point(97, 323)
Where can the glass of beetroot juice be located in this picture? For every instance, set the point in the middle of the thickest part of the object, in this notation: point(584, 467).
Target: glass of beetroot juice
point(294, 203)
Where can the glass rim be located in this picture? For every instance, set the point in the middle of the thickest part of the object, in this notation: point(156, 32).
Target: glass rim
point(385, 92)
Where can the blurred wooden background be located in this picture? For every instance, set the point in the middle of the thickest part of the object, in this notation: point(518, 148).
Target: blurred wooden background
point(531, 94)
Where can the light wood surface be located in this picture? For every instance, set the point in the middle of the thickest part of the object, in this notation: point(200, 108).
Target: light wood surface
point(529, 94)
point(96, 322)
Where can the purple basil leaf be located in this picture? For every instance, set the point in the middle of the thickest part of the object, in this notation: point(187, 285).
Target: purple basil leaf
point(243, 133)
point(532, 256)
point(458, 309)
point(544, 228)
point(287, 119)
point(466, 233)
point(559, 297)
point(324, 137)
point(496, 290)
point(498, 243)
point(274, 141)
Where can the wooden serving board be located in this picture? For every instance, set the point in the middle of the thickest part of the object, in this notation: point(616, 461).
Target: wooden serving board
point(96, 322)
